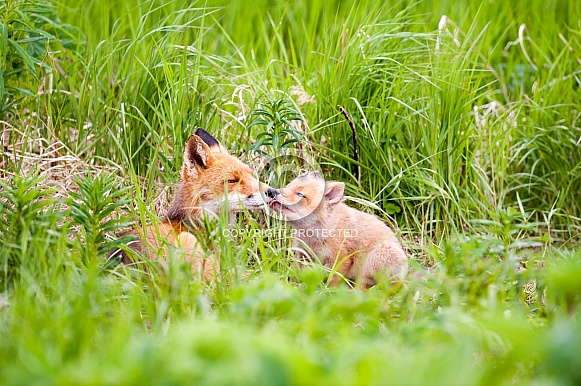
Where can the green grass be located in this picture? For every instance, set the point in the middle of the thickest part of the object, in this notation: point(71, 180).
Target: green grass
point(469, 136)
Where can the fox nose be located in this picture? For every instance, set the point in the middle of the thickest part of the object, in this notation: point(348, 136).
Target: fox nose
point(271, 193)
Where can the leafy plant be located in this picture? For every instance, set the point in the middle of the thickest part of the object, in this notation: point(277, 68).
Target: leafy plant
point(29, 32)
point(563, 282)
point(95, 208)
point(28, 218)
point(276, 119)
point(508, 232)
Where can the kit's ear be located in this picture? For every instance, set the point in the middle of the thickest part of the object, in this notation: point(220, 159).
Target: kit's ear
point(334, 192)
point(316, 175)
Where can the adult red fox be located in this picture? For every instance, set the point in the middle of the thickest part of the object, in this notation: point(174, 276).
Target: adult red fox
point(357, 244)
point(211, 179)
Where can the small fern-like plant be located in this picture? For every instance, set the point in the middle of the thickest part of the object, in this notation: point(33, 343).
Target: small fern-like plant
point(276, 117)
point(93, 208)
point(28, 218)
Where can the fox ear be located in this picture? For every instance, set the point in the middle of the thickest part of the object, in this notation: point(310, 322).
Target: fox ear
point(334, 192)
point(197, 153)
point(212, 142)
point(316, 175)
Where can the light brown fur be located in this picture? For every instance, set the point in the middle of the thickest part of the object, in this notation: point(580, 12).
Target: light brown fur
point(356, 244)
point(212, 179)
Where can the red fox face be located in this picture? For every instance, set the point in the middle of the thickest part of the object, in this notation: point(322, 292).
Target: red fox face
point(305, 195)
point(213, 179)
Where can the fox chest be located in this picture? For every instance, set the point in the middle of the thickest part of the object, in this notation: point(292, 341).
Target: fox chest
point(314, 248)
point(326, 250)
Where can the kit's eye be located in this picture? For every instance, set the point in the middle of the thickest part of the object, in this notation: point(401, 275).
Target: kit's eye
point(233, 181)
point(300, 195)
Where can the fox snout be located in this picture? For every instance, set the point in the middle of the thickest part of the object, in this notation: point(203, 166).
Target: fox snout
point(272, 193)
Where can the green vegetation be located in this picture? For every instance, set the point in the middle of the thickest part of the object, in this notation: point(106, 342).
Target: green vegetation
point(468, 124)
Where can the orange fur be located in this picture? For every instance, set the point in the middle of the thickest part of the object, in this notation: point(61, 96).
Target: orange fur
point(357, 245)
point(211, 179)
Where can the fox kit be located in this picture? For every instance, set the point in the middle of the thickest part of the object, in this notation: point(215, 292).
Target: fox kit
point(210, 179)
point(357, 244)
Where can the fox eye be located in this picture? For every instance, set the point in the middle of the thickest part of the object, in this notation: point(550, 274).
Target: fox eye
point(233, 181)
point(300, 195)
